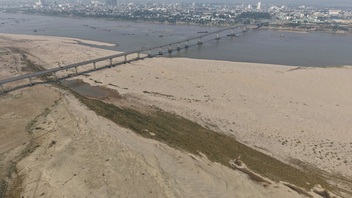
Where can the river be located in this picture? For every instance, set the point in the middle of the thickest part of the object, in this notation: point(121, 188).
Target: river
point(262, 46)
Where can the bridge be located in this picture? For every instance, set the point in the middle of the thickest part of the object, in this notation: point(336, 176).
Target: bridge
point(160, 50)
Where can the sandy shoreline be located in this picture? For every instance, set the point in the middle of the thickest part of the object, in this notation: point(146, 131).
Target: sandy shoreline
point(292, 113)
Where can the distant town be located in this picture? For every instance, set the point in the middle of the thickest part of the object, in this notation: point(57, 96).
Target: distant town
point(293, 18)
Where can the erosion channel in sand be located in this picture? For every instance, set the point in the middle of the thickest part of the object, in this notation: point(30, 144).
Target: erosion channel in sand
point(173, 127)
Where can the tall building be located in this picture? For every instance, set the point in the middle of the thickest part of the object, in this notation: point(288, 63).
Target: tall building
point(111, 2)
point(41, 3)
point(259, 5)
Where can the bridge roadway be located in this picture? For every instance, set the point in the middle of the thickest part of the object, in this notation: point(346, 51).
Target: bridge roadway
point(125, 54)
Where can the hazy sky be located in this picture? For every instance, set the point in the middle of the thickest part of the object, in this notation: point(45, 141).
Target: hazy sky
point(286, 2)
point(324, 3)
point(295, 2)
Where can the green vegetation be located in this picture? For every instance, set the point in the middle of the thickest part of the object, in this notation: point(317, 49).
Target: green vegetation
point(3, 185)
point(31, 124)
point(183, 134)
point(254, 15)
point(10, 181)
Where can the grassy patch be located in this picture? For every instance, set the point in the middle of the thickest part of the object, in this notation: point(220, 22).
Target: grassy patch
point(15, 189)
point(30, 66)
point(186, 135)
point(11, 182)
point(3, 187)
point(29, 127)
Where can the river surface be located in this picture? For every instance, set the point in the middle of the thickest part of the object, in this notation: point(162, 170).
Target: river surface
point(262, 46)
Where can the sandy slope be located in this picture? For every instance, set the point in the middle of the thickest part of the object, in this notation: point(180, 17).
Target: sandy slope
point(92, 157)
point(293, 113)
point(301, 114)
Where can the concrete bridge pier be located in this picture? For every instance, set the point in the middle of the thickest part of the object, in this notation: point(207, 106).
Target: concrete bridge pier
point(95, 66)
point(76, 70)
point(110, 62)
point(161, 51)
point(217, 37)
point(150, 53)
point(178, 47)
point(170, 49)
point(138, 55)
point(2, 88)
point(186, 45)
point(200, 41)
point(54, 73)
point(125, 59)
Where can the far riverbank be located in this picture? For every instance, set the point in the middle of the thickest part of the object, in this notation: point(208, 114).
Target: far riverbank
point(263, 46)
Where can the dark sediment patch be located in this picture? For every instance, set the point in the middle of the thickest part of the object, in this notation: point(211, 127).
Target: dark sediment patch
point(89, 91)
point(189, 136)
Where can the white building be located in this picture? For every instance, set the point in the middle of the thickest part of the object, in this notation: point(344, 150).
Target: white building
point(259, 5)
point(334, 12)
point(40, 3)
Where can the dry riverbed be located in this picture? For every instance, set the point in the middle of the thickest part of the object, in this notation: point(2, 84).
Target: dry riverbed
point(67, 144)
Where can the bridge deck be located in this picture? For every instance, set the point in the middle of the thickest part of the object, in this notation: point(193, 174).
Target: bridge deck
point(93, 61)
